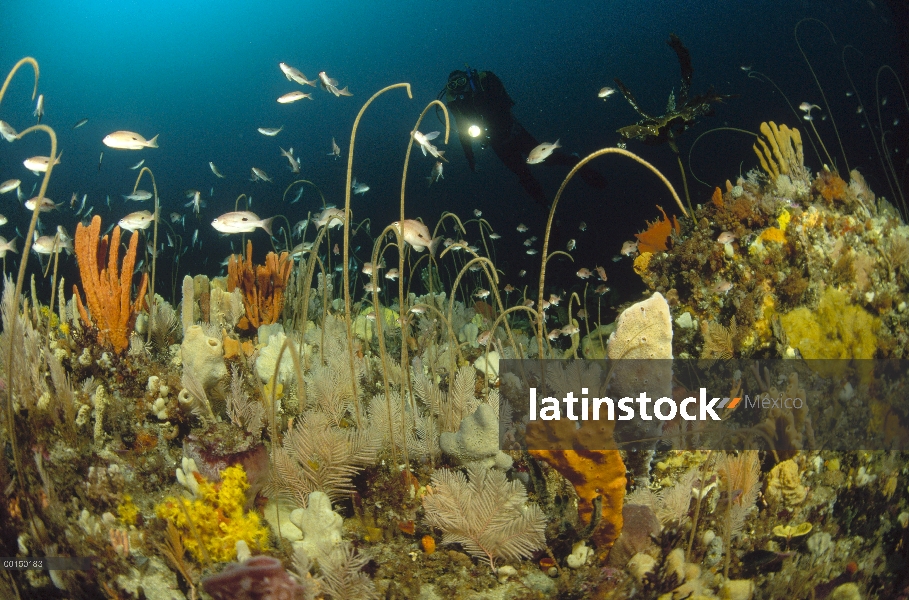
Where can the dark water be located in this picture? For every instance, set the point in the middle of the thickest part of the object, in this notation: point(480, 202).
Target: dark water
point(204, 76)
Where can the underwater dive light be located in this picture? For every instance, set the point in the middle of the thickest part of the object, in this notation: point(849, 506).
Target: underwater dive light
point(474, 131)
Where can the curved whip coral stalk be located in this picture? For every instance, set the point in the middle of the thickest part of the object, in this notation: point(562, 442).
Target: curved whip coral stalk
point(347, 215)
point(795, 33)
point(690, 168)
point(20, 277)
point(151, 285)
point(541, 333)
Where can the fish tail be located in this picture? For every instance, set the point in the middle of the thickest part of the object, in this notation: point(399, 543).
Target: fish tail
point(12, 244)
point(266, 224)
point(153, 143)
point(434, 245)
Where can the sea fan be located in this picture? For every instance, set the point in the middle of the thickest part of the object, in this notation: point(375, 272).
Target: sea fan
point(487, 515)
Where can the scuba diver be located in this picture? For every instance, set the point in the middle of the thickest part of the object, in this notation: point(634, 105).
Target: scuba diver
point(482, 110)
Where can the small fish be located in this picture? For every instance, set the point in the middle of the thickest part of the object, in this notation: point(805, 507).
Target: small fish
point(9, 185)
point(80, 123)
point(417, 235)
point(295, 75)
point(195, 238)
point(138, 164)
point(331, 217)
point(100, 158)
point(7, 131)
point(214, 170)
point(532, 252)
point(300, 248)
point(859, 109)
point(571, 245)
point(371, 287)
point(582, 226)
point(139, 196)
point(177, 218)
point(725, 237)
point(241, 222)
point(896, 122)
point(522, 228)
point(298, 196)
point(141, 219)
point(7, 246)
point(293, 97)
point(359, 188)
point(481, 293)
point(601, 273)
point(211, 192)
point(294, 163)
point(47, 204)
point(331, 85)
point(107, 201)
point(336, 250)
point(196, 201)
point(602, 289)
point(584, 273)
point(554, 334)
point(51, 244)
point(335, 149)
point(82, 205)
point(259, 175)
point(542, 152)
point(849, 94)
point(392, 274)
point(270, 131)
point(884, 101)
point(808, 107)
point(570, 330)
point(522, 273)
point(745, 67)
point(436, 173)
point(127, 140)
point(38, 164)
point(39, 108)
point(367, 268)
point(424, 139)
point(528, 242)
point(554, 299)
point(629, 248)
point(3, 220)
point(605, 92)
point(298, 228)
point(721, 287)
point(483, 338)
point(477, 213)
point(495, 236)
point(508, 288)
point(582, 314)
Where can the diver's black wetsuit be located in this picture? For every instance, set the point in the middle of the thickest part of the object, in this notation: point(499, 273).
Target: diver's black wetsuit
point(479, 98)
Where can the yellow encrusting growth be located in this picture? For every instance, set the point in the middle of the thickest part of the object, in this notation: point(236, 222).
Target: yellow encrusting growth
point(837, 329)
point(218, 518)
point(127, 510)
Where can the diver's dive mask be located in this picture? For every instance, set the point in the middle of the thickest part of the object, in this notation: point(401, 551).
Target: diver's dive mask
point(462, 82)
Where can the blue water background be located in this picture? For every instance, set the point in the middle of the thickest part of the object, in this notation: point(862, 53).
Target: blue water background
point(204, 75)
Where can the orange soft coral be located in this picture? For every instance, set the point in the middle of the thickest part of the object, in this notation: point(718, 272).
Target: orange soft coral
point(656, 236)
point(830, 186)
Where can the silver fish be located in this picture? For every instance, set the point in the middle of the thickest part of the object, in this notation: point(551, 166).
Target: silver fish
point(139, 196)
point(270, 131)
point(335, 149)
point(241, 222)
point(331, 85)
point(289, 155)
point(138, 164)
point(80, 123)
point(436, 173)
point(141, 219)
point(542, 152)
point(214, 170)
point(7, 131)
point(359, 188)
point(295, 75)
point(259, 175)
point(423, 140)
